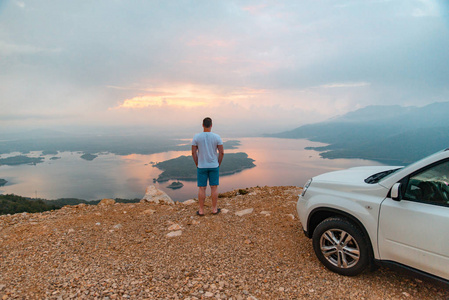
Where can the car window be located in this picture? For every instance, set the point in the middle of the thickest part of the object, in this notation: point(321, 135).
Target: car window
point(430, 186)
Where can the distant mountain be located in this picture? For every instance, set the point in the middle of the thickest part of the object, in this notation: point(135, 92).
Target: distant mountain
point(389, 134)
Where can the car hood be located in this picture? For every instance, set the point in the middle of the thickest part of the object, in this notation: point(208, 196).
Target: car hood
point(355, 175)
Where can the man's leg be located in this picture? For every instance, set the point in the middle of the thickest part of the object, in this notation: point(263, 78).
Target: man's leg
point(202, 185)
point(201, 198)
point(214, 182)
point(214, 195)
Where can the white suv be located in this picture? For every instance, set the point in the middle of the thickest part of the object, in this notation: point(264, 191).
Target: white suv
point(391, 215)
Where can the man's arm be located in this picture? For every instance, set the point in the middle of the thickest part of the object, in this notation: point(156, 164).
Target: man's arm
point(195, 154)
point(220, 154)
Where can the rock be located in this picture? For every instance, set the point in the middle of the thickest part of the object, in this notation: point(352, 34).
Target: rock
point(208, 294)
point(189, 202)
point(118, 226)
point(265, 213)
point(225, 211)
point(66, 256)
point(174, 233)
point(244, 212)
point(107, 202)
point(152, 194)
point(174, 227)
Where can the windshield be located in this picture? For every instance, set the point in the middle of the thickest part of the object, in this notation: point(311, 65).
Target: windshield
point(375, 178)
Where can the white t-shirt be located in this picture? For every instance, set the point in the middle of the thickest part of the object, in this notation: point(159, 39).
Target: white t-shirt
point(207, 143)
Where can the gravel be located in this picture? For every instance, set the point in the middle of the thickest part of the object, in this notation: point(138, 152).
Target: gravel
point(158, 251)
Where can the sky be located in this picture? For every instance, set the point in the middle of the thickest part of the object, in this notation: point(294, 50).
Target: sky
point(253, 66)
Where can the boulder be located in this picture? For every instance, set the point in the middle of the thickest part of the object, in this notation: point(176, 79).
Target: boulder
point(107, 202)
point(153, 194)
point(189, 202)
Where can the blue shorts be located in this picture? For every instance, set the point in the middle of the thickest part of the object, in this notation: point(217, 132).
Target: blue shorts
point(207, 173)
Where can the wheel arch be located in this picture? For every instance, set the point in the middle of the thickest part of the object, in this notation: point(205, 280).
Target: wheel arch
point(321, 213)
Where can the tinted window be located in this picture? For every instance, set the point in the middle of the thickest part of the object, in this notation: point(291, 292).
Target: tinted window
point(430, 186)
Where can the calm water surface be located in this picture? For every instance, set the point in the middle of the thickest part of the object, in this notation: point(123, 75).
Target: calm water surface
point(278, 162)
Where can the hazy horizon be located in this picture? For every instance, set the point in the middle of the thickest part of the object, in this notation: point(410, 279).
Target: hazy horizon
point(161, 66)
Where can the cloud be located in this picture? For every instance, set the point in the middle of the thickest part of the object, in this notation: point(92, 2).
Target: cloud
point(344, 85)
point(149, 101)
point(20, 4)
point(12, 49)
point(190, 95)
point(34, 117)
point(426, 8)
point(272, 64)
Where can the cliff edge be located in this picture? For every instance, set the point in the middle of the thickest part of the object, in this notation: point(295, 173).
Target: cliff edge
point(253, 249)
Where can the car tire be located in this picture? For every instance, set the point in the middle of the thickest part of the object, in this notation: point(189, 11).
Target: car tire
point(341, 246)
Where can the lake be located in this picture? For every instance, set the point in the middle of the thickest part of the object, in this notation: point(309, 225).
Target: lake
point(279, 162)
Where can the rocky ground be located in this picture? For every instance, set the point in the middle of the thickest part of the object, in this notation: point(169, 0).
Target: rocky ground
point(254, 249)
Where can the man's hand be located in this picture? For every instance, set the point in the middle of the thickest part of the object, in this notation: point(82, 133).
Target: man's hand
point(195, 155)
point(220, 154)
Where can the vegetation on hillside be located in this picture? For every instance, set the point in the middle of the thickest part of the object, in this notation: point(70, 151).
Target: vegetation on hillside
point(12, 204)
point(388, 134)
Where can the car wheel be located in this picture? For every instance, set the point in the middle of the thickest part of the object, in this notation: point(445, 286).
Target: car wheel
point(341, 246)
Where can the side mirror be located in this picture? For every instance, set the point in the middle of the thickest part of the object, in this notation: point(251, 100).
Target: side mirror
point(396, 192)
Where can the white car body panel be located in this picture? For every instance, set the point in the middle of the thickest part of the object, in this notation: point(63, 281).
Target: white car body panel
point(408, 234)
point(333, 189)
point(411, 233)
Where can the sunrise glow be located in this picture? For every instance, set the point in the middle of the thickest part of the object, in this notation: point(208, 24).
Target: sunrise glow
point(188, 96)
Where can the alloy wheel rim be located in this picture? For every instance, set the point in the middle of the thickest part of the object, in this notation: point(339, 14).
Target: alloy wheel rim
point(339, 248)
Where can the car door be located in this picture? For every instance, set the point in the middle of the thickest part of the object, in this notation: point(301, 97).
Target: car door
point(415, 230)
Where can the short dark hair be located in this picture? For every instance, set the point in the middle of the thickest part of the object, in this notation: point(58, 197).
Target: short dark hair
point(207, 122)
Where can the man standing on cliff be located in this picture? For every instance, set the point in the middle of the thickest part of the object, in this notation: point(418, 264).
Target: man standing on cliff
point(207, 153)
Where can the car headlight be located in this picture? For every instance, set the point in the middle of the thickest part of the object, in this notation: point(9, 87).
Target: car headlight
point(306, 186)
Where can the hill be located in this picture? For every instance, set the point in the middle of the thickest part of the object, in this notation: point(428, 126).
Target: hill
point(389, 134)
point(183, 167)
point(151, 251)
point(13, 204)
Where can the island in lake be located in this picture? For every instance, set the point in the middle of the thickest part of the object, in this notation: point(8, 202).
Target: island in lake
point(88, 156)
point(3, 182)
point(175, 185)
point(183, 167)
point(20, 160)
